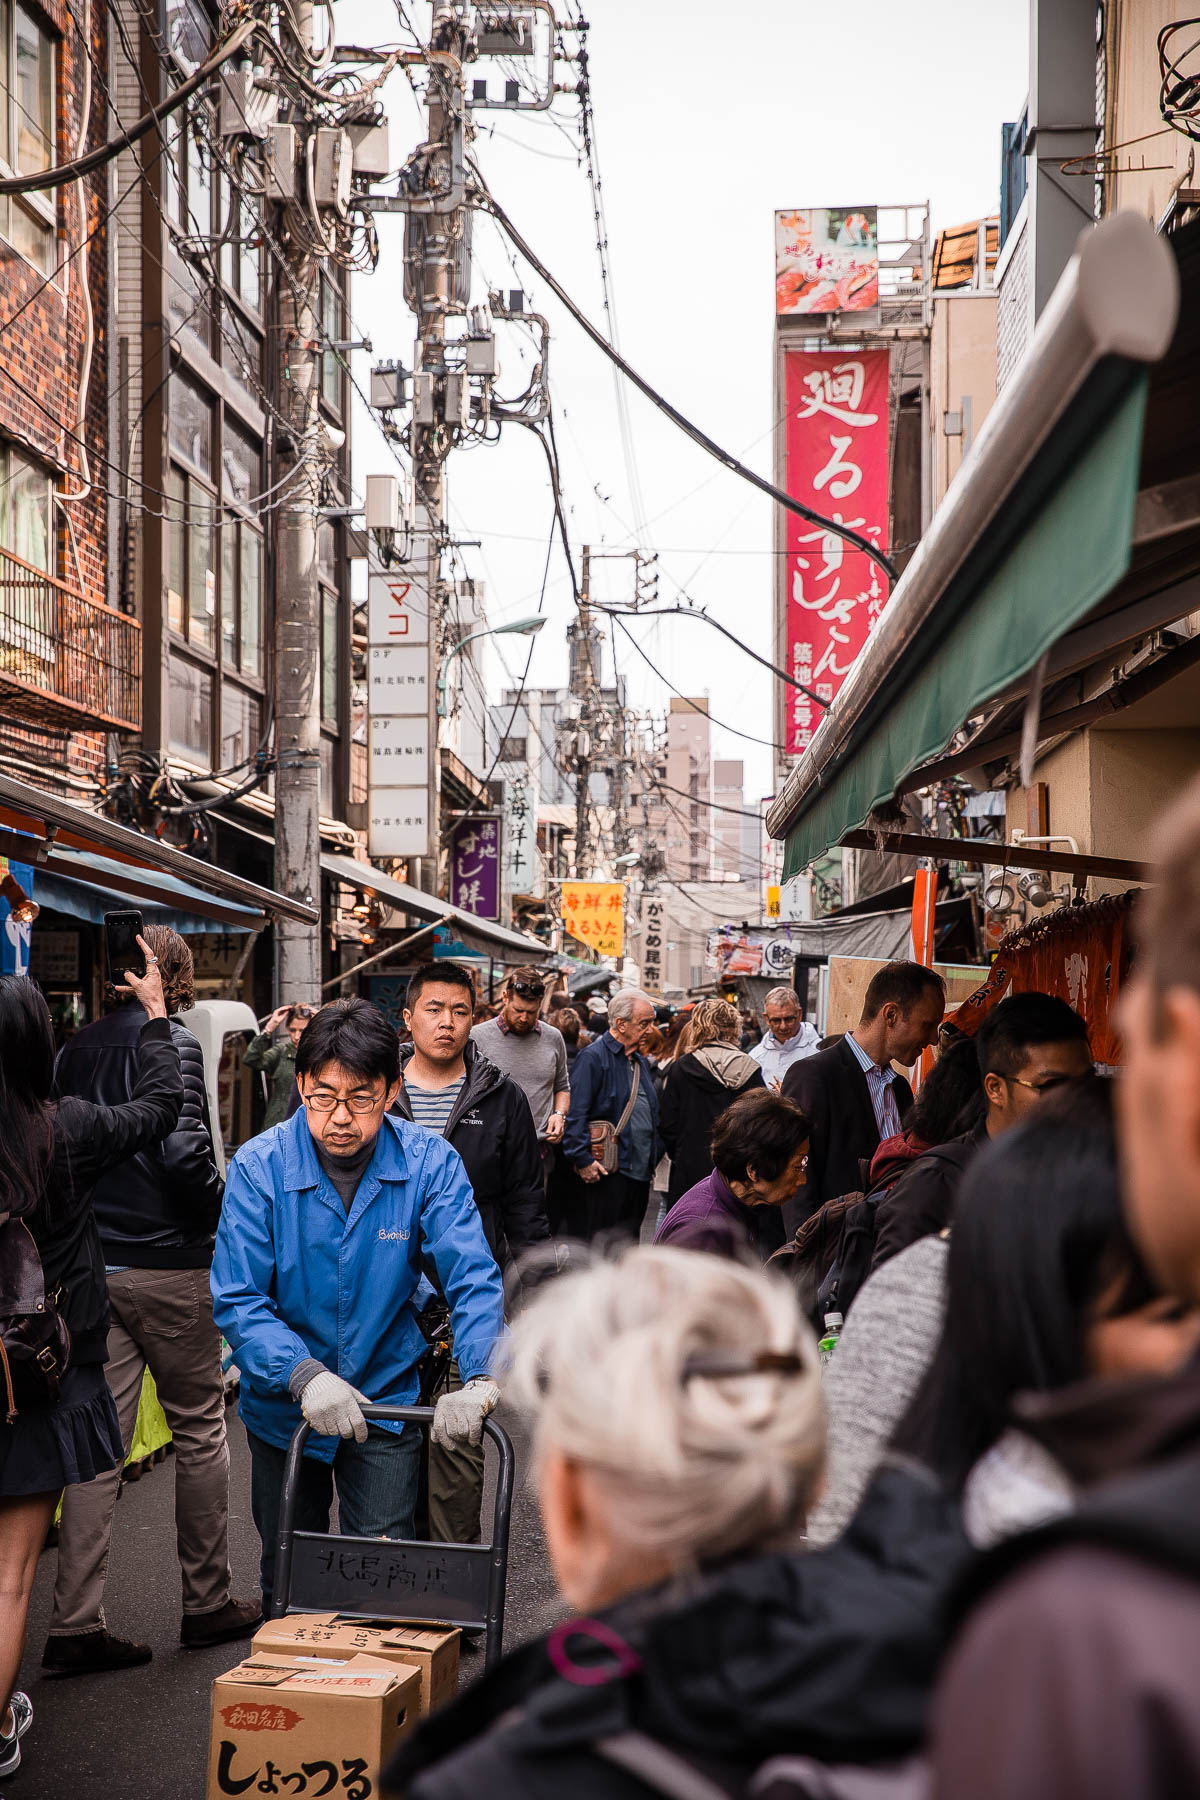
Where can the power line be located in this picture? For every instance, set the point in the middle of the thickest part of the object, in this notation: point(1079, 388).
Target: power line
point(679, 695)
point(731, 462)
point(95, 159)
point(697, 612)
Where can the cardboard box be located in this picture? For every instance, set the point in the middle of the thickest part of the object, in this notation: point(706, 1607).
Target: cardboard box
point(433, 1649)
point(284, 1726)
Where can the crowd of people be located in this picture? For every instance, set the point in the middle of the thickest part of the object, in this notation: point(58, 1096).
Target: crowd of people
point(950, 1553)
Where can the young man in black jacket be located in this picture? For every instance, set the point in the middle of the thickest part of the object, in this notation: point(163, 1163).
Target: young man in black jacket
point(157, 1215)
point(450, 1087)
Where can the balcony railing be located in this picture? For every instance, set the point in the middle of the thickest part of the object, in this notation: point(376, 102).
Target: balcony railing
point(64, 660)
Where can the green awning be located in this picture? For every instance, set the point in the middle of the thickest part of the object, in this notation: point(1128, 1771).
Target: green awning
point(1070, 551)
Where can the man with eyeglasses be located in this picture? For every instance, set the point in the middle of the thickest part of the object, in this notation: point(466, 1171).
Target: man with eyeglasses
point(326, 1223)
point(1028, 1046)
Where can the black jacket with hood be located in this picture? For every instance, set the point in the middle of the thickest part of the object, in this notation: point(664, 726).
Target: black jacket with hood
point(492, 1129)
point(829, 1654)
point(696, 1091)
point(160, 1209)
point(89, 1140)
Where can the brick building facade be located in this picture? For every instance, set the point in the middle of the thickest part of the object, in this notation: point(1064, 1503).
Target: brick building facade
point(67, 669)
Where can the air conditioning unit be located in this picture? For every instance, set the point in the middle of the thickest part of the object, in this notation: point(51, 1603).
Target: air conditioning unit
point(389, 385)
point(381, 509)
point(371, 150)
point(458, 399)
point(333, 165)
point(279, 162)
point(481, 356)
point(423, 398)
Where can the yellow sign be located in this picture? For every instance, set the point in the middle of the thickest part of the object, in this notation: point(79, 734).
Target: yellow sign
point(772, 902)
point(594, 912)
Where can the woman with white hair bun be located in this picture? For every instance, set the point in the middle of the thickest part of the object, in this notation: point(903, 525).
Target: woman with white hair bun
point(678, 1441)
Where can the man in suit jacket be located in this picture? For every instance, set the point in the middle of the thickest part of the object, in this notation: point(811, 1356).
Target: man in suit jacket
point(851, 1091)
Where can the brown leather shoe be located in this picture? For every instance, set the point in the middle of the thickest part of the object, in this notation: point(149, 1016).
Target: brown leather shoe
point(236, 1619)
point(92, 1652)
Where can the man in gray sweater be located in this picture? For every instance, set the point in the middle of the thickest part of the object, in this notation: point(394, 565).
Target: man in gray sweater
point(532, 1052)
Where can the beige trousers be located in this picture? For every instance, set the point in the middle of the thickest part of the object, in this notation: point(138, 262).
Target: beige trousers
point(161, 1319)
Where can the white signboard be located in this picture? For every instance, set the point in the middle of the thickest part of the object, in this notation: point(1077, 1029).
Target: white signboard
point(519, 866)
point(398, 603)
point(398, 681)
point(399, 752)
point(400, 690)
point(399, 821)
point(654, 913)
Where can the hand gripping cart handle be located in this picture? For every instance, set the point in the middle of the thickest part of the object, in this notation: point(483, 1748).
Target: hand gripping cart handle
point(392, 1578)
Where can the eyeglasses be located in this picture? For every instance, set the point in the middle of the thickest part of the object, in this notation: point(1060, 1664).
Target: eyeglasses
point(1052, 1081)
point(355, 1103)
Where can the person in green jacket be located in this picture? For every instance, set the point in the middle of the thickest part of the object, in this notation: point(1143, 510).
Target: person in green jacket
point(278, 1060)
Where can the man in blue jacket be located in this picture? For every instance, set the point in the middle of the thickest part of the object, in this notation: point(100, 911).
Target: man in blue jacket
point(327, 1219)
point(602, 1087)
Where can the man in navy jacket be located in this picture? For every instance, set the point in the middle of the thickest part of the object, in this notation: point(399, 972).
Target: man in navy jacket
point(601, 1084)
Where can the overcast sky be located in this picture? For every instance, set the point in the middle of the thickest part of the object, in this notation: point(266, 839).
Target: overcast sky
point(708, 118)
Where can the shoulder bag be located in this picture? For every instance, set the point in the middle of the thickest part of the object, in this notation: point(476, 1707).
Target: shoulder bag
point(605, 1135)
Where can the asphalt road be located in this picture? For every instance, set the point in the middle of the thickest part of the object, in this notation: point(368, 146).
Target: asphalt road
point(142, 1734)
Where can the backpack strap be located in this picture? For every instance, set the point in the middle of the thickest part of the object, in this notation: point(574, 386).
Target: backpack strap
point(662, 1770)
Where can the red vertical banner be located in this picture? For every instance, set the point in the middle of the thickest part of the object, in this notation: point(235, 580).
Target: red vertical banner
point(924, 940)
point(837, 447)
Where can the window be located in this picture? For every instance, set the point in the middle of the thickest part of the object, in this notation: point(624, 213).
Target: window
point(241, 597)
point(241, 553)
point(332, 330)
point(189, 33)
point(330, 653)
point(189, 711)
point(191, 564)
point(191, 424)
point(241, 725)
point(26, 509)
point(27, 130)
point(242, 248)
point(512, 749)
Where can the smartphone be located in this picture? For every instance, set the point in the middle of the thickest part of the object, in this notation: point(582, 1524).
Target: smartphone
point(121, 932)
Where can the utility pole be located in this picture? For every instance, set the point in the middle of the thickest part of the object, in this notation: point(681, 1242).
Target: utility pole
point(437, 264)
point(298, 613)
point(584, 642)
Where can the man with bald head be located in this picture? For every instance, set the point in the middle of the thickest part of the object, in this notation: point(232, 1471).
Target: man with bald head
point(613, 1081)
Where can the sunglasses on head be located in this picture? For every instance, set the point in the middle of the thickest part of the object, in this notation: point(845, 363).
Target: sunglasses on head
point(529, 990)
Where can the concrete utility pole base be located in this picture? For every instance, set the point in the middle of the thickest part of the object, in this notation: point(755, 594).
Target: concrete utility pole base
point(298, 620)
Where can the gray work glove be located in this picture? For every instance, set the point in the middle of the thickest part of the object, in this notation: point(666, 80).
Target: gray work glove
point(458, 1417)
point(331, 1407)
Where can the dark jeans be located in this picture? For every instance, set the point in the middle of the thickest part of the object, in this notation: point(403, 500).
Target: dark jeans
point(376, 1490)
point(615, 1206)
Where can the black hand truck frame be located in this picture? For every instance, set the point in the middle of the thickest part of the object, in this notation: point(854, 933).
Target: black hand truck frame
point(394, 1578)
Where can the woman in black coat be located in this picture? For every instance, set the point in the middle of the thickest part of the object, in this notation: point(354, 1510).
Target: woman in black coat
point(697, 1089)
point(53, 1154)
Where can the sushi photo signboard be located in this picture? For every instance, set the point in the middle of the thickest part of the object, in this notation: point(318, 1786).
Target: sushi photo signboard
point(826, 260)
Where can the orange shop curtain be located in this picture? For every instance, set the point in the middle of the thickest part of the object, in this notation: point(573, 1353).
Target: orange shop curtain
point(1080, 953)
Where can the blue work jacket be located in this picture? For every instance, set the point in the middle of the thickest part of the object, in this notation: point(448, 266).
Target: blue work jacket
point(294, 1277)
point(600, 1083)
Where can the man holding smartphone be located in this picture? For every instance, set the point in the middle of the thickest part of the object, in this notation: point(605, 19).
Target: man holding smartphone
point(157, 1215)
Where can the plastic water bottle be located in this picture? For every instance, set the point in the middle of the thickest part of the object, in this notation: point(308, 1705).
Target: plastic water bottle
point(833, 1330)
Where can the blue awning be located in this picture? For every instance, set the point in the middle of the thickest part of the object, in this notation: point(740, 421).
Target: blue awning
point(86, 886)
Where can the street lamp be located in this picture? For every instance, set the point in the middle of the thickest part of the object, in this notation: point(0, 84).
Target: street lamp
point(522, 628)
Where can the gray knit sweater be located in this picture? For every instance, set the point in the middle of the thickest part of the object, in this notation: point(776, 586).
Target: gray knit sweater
point(884, 1349)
